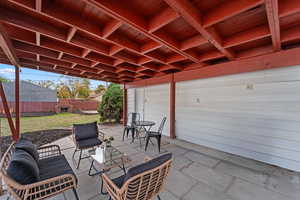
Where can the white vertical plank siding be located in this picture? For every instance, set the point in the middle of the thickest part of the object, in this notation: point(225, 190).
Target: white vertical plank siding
point(152, 103)
point(140, 101)
point(157, 105)
point(256, 115)
point(130, 100)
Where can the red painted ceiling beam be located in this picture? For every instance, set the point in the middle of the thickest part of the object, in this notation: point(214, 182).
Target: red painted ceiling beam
point(227, 10)
point(190, 13)
point(288, 7)
point(126, 16)
point(273, 19)
point(195, 41)
point(161, 19)
point(290, 34)
point(247, 36)
point(7, 47)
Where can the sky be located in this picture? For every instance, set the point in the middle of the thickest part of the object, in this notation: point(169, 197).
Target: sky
point(7, 71)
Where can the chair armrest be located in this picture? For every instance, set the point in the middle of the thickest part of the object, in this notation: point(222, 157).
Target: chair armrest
point(49, 151)
point(111, 187)
point(101, 135)
point(147, 158)
point(49, 187)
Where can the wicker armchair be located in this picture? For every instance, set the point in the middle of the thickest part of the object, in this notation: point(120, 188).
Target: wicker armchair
point(143, 182)
point(41, 189)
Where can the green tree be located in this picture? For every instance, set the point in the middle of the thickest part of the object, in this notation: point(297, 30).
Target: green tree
point(100, 89)
point(111, 106)
point(74, 88)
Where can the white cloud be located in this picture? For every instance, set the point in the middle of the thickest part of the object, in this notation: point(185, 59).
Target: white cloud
point(7, 71)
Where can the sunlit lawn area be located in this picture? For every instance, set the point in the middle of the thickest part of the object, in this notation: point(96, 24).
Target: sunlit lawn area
point(62, 120)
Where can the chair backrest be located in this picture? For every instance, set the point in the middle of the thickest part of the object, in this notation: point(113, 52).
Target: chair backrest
point(133, 117)
point(146, 180)
point(14, 188)
point(85, 131)
point(162, 124)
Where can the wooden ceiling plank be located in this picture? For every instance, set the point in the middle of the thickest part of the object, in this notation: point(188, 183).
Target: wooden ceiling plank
point(195, 41)
point(36, 26)
point(288, 7)
point(128, 17)
point(150, 46)
point(143, 60)
point(290, 34)
point(227, 10)
point(60, 55)
point(273, 19)
point(111, 27)
point(189, 12)
point(85, 52)
point(115, 49)
point(175, 58)
point(7, 47)
point(71, 33)
point(211, 55)
point(161, 19)
point(247, 36)
point(38, 5)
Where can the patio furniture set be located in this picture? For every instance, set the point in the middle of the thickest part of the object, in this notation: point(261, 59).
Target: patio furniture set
point(142, 129)
point(32, 173)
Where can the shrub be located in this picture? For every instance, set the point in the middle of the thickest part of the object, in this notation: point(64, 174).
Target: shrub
point(111, 106)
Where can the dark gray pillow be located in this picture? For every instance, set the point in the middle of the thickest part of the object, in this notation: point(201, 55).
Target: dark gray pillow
point(151, 164)
point(23, 168)
point(29, 147)
point(85, 131)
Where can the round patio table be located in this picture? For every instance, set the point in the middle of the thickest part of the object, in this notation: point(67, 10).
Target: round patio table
point(143, 125)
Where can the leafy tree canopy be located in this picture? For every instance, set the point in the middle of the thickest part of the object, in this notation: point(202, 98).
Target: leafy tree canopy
point(100, 89)
point(111, 106)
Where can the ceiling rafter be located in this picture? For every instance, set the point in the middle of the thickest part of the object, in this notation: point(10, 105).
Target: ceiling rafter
point(227, 10)
point(80, 41)
point(7, 47)
point(193, 17)
point(119, 12)
point(273, 19)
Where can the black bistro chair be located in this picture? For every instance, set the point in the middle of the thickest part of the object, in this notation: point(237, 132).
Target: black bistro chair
point(85, 136)
point(132, 119)
point(155, 134)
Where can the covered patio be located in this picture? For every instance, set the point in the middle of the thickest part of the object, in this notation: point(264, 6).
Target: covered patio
point(198, 172)
point(225, 74)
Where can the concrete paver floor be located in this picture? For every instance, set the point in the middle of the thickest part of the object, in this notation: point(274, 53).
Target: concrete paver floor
point(198, 173)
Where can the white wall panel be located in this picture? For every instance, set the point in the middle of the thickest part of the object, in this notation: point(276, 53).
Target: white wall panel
point(256, 115)
point(157, 105)
point(131, 100)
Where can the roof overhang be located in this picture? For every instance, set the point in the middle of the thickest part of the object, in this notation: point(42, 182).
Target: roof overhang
point(112, 41)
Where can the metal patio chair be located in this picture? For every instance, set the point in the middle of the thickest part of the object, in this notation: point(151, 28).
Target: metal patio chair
point(133, 117)
point(143, 182)
point(86, 136)
point(155, 134)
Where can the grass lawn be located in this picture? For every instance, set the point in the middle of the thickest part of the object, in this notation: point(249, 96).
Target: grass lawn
point(61, 120)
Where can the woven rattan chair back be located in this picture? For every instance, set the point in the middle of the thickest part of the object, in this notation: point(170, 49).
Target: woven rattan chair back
point(161, 126)
point(39, 190)
point(146, 185)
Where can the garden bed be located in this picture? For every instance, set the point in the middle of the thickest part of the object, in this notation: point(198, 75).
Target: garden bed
point(38, 137)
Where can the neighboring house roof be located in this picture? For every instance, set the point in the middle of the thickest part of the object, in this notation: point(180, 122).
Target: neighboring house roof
point(30, 92)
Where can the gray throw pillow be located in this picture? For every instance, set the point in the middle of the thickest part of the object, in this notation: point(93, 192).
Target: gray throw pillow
point(23, 168)
point(29, 147)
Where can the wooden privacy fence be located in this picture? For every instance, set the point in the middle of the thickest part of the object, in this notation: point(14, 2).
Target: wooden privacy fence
point(31, 107)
